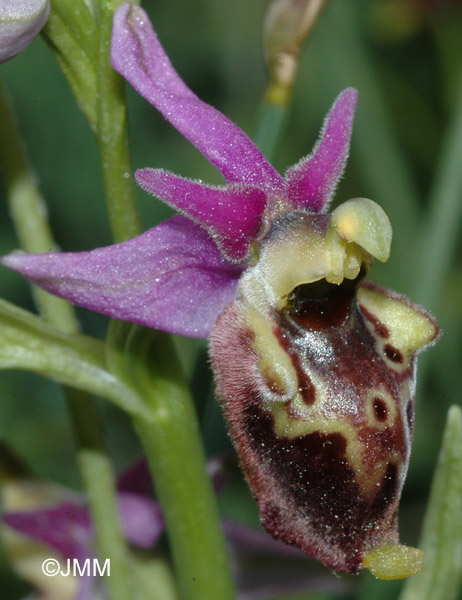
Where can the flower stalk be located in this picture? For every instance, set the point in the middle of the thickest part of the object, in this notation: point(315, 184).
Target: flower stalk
point(99, 481)
point(81, 42)
point(287, 24)
point(71, 32)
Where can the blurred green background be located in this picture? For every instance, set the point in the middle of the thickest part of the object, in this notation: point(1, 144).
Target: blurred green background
point(406, 64)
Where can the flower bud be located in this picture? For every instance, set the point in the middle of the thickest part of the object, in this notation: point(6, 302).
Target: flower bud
point(20, 22)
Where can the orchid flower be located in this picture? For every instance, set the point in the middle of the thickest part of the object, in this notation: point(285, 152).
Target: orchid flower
point(315, 369)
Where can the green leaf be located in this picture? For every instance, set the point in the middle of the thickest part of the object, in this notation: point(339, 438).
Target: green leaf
point(27, 342)
point(441, 541)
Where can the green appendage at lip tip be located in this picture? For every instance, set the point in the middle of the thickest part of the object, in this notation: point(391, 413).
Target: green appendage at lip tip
point(391, 561)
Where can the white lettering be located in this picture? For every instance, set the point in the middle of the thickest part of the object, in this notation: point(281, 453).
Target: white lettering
point(68, 562)
point(98, 571)
point(86, 567)
point(89, 567)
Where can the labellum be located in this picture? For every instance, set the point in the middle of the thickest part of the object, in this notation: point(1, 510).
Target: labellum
point(315, 370)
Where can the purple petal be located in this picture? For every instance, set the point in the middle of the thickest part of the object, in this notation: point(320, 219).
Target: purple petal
point(87, 589)
point(311, 183)
point(65, 527)
point(172, 277)
point(141, 517)
point(232, 214)
point(139, 57)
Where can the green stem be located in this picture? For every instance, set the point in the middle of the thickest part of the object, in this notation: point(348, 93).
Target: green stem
point(172, 442)
point(72, 34)
point(29, 216)
point(112, 135)
point(177, 462)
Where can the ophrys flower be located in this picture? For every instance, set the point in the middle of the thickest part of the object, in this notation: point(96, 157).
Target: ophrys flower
point(315, 369)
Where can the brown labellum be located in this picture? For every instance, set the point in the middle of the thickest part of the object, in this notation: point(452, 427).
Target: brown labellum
point(317, 382)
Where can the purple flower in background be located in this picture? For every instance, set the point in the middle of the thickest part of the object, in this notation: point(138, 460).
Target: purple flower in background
point(315, 369)
point(58, 523)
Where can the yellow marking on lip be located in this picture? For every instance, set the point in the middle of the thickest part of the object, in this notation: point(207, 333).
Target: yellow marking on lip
point(385, 397)
point(274, 364)
point(292, 427)
point(410, 329)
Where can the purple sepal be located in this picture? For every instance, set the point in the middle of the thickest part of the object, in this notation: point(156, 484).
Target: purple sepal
point(20, 22)
point(158, 279)
point(231, 214)
point(138, 55)
point(311, 183)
